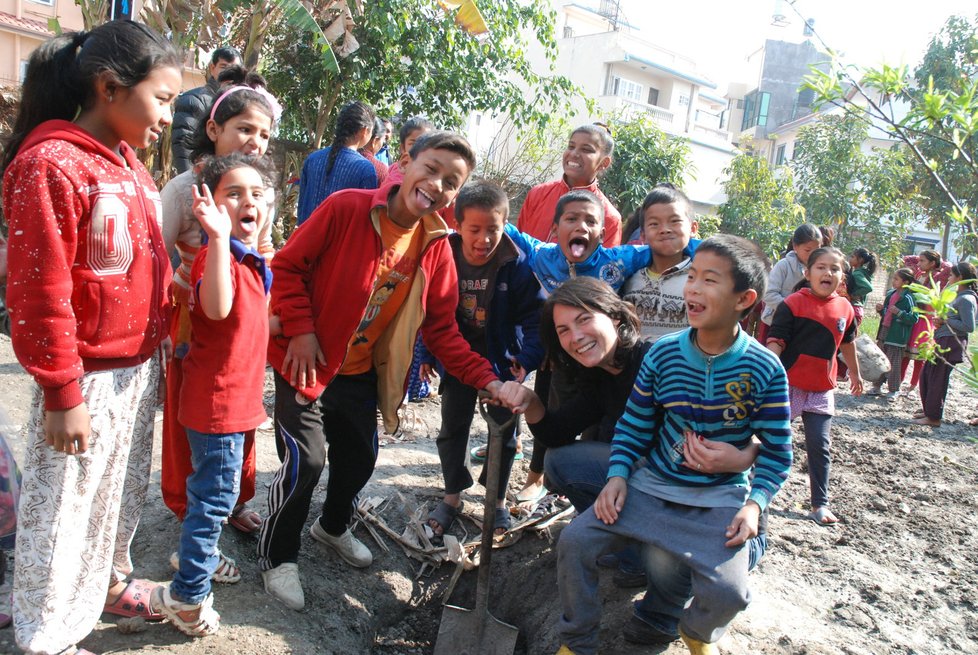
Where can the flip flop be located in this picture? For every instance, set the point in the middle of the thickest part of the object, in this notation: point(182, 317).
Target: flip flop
point(478, 454)
point(824, 517)
point(532, 497)
point(134, 601)
point(245, 520)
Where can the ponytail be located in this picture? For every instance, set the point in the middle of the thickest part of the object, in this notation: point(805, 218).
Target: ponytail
point(62, 72)
point(354, 116)
point(870, 261)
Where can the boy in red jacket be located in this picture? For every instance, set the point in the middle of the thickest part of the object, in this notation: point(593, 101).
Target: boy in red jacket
point(353, 287)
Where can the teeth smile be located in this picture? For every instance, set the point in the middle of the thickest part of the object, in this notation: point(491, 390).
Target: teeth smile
point(586, 348)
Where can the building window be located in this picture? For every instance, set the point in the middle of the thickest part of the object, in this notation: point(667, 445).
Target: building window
point(755, 109)
point(23, 70)
point(779, 158)
point(568, 32)
point(626, 89)
point(684, 101)
point(653, 96)
point(49, 3)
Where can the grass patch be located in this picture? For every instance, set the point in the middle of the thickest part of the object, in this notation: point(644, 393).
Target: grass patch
point(870, 324)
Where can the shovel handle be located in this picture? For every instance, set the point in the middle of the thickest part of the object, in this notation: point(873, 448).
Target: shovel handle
point(494, 455)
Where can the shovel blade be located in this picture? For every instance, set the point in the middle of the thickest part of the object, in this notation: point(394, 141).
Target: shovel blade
point(463, 632)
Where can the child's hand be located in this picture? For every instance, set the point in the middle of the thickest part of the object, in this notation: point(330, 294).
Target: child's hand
point(706, 456)
point(517, 371)
point(424, 372)
point(213, 219)
point(744, 525)
point(67, 430)
point(612, 499)
point(855, 384)
point(301, 358)
point(515, 397)
point(879, 308)
point(894, 310)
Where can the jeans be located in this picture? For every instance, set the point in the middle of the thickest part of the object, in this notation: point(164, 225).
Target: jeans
point(212, 490)
point(579, 471)
point(717, 574)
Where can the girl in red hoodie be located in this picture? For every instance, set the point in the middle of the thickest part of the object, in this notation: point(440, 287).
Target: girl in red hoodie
point(86, 291)
point(810, 326)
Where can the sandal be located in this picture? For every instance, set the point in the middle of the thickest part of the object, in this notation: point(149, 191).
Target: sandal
point(206, 622)
point(823, 516)
point(444, 516)
point(245, 520)
point(503, 521)
point(528, 496)
point(135, 601)
point(227, 571)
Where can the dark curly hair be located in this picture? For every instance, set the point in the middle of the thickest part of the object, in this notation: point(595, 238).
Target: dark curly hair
point(595, 296)
point(215, 168)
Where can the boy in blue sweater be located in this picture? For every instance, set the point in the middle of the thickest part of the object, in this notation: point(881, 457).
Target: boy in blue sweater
point(499, 315)
point(710, 381)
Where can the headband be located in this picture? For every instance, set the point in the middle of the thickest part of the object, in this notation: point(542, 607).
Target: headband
point(269, 98)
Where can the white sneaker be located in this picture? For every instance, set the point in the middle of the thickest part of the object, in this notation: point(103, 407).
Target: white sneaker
point(346, 545)
point(283, 583)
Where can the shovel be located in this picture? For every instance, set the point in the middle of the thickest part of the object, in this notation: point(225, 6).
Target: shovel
point(477, 632)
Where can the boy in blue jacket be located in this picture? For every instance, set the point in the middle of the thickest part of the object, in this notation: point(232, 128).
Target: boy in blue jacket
point(579, 221)
point(499, 315)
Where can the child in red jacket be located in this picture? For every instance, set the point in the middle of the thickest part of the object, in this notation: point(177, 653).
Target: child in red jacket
point(588, 154)
point(221, 396)
point(810, 327)
point(86, 291)
point(353, 287)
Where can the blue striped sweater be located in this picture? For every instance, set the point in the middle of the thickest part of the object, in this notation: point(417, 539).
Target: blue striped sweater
point(728, 397)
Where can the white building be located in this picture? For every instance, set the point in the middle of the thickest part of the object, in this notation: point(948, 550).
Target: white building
point(623, 74)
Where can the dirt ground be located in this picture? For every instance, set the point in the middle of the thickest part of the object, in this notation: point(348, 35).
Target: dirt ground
point(897, 576)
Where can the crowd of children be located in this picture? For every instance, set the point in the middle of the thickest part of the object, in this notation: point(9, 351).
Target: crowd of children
point(398, 267)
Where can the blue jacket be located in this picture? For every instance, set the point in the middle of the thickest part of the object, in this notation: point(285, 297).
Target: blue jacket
point(612, 265)
point(513, 318)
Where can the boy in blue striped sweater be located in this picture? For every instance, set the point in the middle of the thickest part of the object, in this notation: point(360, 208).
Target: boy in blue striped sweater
point(710, 381)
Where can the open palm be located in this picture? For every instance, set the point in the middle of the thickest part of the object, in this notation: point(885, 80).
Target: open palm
point(215, 220)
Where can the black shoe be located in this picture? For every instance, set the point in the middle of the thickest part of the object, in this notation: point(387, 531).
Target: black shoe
point(608, 561)
point(637, 631)
point(629, 579)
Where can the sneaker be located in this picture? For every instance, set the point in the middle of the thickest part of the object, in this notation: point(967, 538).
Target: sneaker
point(892, 396)
point(874, 390)
point(283, 583)
point(608, 561)
point(346, 545)
point(637, 631)
point(227, 571)
point(626, 579)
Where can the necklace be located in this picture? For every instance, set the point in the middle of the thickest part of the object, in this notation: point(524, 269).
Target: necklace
point(710, 355)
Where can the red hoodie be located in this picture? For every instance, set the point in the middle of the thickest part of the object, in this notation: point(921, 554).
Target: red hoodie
point(87, 264)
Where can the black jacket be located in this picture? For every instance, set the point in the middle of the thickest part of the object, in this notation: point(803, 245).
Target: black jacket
point(191, 107)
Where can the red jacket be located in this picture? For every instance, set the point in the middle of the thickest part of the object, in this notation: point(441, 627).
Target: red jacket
point(537, 214)
point(323, 280)
point(87, 264)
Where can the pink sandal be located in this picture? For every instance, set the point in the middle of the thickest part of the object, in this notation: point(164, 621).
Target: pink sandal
point(244, 519)
point(134, 601)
